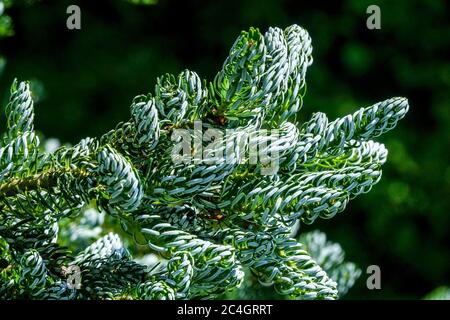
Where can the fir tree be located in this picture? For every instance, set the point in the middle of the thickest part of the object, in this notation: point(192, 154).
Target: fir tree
point(207, 226)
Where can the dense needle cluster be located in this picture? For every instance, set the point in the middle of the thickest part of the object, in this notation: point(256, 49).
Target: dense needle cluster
point(210, 226)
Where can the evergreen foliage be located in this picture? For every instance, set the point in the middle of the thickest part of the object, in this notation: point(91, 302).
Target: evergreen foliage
point(208, 224)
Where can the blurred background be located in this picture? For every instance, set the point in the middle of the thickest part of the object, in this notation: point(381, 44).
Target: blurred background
point(84, 81)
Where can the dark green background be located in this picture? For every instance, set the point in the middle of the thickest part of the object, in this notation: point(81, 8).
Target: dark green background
point(85, 81)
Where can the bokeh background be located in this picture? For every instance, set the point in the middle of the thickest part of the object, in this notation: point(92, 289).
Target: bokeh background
point(84, 82)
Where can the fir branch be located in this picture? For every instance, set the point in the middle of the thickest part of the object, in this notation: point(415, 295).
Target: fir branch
point(44, 180)
point(206, 222)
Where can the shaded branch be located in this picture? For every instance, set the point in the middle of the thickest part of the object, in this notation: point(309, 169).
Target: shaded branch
point(44, 180)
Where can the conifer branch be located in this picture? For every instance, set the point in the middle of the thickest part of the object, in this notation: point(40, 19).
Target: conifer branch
point(215, 213)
